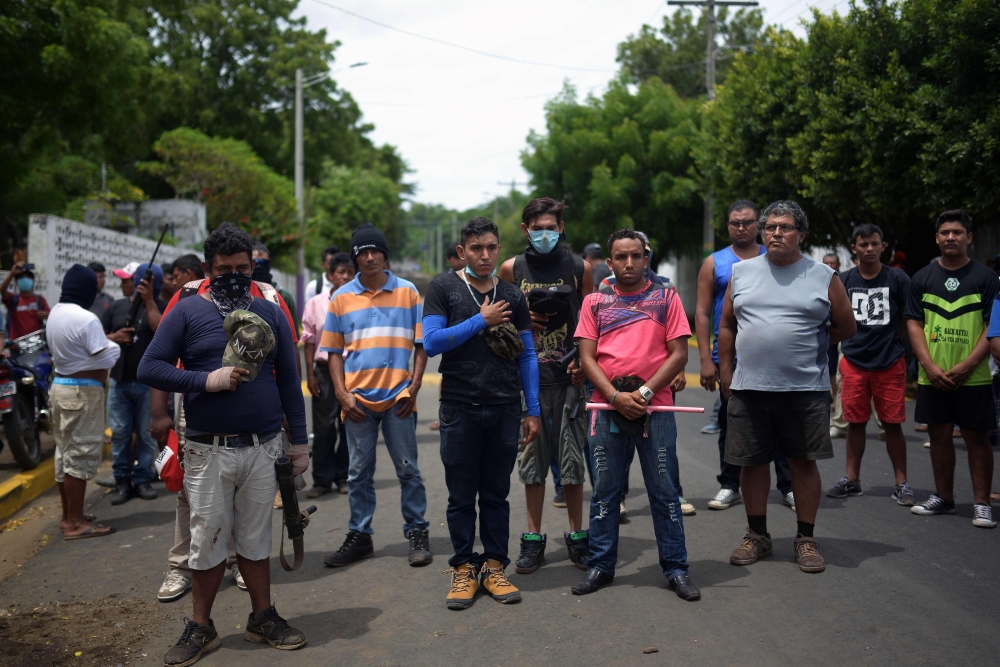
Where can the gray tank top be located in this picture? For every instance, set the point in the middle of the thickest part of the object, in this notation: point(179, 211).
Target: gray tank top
point(782, 314)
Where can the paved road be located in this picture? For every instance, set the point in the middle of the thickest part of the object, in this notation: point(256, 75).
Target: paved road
point(898, 589)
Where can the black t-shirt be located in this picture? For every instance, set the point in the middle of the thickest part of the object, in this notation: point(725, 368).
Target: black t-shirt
point(112, 320)
point(600, 272)
point(878, 308)
point(471, 373)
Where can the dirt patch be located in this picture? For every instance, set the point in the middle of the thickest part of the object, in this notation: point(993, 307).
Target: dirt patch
point(98, 633)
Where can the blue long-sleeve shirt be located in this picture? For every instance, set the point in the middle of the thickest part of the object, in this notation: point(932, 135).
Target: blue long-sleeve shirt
point(193, 332)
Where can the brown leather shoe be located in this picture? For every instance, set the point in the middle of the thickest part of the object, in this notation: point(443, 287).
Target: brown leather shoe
point(751, 549)
point(807, 554)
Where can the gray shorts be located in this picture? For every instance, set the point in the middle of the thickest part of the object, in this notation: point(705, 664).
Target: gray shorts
point(763, 423)
point(563, 437)
point(78, 428)
point(231, 492)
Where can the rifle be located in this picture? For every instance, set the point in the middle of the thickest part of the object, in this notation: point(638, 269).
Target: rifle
point(295, 521)
point(136, 303)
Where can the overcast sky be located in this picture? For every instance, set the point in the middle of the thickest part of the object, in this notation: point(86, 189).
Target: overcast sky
point(459, 118)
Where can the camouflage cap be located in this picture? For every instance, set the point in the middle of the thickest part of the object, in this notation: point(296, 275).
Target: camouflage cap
point(250, 341)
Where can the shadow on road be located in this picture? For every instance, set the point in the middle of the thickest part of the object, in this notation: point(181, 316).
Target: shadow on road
point(320, 628)
point(839, 552)
point(140, 520)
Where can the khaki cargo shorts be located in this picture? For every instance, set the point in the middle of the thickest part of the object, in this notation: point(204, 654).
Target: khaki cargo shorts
point(78, 427)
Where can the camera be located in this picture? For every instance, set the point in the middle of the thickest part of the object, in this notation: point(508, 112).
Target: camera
point(28, 267)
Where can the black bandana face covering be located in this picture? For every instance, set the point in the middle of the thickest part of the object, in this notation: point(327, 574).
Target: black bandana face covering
point(231, 291)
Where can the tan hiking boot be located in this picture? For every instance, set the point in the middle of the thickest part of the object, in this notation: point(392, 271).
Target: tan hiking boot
point(751, 549)
point(493, 579)
point(463, 586)
point(807, 554)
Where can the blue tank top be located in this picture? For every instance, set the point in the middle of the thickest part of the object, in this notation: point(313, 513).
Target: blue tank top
point(724, 260)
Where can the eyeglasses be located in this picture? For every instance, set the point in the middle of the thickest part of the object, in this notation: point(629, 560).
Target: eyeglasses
point(745, 224)
point(785, 229)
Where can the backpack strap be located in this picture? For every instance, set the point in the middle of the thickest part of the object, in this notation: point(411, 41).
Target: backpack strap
point(578, 274)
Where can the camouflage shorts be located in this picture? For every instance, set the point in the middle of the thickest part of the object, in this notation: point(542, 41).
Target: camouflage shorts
point(563, 437)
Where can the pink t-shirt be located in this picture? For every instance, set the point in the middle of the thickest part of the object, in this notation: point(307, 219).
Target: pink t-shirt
point(313, 317)
point(632, 331)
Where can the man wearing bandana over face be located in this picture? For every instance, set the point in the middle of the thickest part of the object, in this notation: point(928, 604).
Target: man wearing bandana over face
point(554, 282)
point(262, 274)
point(234, 421)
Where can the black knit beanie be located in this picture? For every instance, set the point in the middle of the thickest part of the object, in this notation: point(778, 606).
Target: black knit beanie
point(365, 237)
point(79, 286)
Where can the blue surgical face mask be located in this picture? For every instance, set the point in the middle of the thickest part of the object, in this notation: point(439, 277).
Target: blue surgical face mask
point(25, 284)
point(472, 273)
point(544, 240)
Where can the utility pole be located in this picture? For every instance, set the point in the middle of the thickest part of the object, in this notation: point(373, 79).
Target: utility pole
point(454, 227)
point(300, 252)
point(708, 230)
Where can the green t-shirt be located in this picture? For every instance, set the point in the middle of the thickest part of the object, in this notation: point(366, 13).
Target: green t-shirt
point(955, 308)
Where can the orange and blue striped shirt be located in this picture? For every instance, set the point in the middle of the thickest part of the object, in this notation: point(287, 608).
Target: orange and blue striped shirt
point(378, 331)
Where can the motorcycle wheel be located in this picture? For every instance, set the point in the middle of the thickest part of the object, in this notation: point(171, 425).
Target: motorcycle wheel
point(22, 437)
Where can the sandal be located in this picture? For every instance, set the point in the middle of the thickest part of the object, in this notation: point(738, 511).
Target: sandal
point(89, 518)
point(93, 531)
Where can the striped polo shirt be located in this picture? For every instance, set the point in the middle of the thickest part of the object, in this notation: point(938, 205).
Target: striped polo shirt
point(378, 331)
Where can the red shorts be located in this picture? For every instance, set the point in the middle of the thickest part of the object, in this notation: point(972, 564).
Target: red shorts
point(859, 386)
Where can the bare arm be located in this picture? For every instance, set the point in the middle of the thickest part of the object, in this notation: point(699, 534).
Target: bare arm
point(160, 423)
point(626, 403)
point(842, 322)
point(406, 406)
point(727, 343)
point(961, 371)
point(507, 271)
point(346, 398)
point(995, 349)
point(588, 280)
point(703, 322)
point(311, 381)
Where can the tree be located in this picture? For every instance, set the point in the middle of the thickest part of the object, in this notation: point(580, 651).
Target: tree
point(347, 197)
point(623, 160)
point(233, 182)
point(676, 53)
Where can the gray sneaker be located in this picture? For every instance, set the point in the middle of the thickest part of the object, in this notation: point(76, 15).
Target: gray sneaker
point(711, 428)
point(725, 499)
point(237, 577)
point(174, 586)
point(845, 487)
point(788, 500)
point(195, 641)
point(903, 494)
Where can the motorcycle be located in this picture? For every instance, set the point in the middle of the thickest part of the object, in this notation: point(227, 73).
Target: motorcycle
point(25, 378)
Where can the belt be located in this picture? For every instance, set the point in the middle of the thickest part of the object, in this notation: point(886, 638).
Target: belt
point(232, 441)
point(78, 382)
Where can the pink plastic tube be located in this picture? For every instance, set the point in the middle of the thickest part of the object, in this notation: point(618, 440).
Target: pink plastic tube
point(652, 408)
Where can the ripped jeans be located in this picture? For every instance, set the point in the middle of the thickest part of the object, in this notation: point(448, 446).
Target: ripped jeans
point(401, 440)
point(658, 458)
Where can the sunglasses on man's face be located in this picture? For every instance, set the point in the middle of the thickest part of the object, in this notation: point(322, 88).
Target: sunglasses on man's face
point(747, 224)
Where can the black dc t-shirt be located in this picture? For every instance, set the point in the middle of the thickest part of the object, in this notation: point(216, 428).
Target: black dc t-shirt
point(112, 320)
point(471, 373)
point(878, 309)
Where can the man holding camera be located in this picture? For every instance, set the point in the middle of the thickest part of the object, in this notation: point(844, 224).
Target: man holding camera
point(26, 309)
point(233, 436)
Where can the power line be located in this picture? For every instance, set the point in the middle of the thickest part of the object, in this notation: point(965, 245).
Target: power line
point(458, 46)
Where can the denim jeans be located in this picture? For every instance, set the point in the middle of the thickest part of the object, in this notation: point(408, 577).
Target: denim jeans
point(729, 474)
point(329, 462)
point(128, 411)
point(401, 440)
point(478, 450)
point(658, 459)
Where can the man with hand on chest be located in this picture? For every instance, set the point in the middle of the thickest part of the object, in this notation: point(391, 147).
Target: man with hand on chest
point(238, 377)
point(481, 327)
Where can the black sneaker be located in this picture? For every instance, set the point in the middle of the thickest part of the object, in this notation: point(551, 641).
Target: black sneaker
point(269, 627)
point(934, 505)
point(355, 547)
point(578, 544)
point(195, 641)
point(532, 553)
point(146, 491)
point(845, 487)
point(420, 547)
point(124, 492)
point(559, 499)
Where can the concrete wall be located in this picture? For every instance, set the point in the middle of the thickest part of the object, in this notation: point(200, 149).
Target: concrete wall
point(187, 219)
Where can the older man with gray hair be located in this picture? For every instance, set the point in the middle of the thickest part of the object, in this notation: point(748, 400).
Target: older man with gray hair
point(780, 316)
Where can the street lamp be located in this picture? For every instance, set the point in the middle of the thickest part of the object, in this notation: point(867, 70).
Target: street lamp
point(300, 255)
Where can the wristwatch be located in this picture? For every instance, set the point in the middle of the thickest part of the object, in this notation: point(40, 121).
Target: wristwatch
point(645, 392)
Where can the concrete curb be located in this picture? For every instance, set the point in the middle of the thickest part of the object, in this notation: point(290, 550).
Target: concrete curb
point(25, 486)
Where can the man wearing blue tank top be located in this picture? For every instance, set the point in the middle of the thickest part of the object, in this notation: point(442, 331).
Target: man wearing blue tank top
point(713, 281)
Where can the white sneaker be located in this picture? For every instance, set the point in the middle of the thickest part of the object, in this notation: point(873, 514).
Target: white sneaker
point(837, 432)
point(725, 499)
point(687, 509)
point(174, 585)
point(927, 445)
point(237, 577)
point(622, 511)
point(982, 516)
point(788, 500)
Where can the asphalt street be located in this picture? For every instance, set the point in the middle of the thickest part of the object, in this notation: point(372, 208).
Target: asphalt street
point(898, 589)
